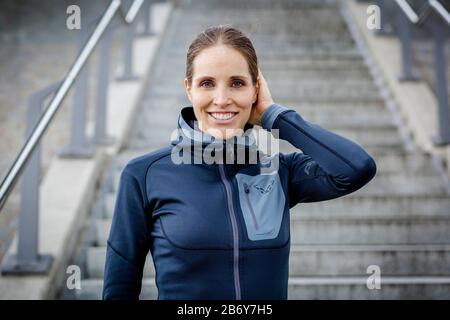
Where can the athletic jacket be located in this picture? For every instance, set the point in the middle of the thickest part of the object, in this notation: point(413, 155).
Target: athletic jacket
point(221, 231)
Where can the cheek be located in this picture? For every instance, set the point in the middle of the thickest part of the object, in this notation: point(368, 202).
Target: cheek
point(245, 99)
point(201, 99)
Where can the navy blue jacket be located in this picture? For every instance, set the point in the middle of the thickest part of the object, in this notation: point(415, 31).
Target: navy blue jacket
point(221, 230)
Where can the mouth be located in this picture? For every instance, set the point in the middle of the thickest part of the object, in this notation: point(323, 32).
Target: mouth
point(222, 117)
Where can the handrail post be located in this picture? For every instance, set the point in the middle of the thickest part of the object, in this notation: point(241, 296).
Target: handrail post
point(27, 260)
point(408, 74)
point(127, 67)
point(440, 66)
point(383, 18)
point(147, 9)
point(100, 136)
point(79, 146)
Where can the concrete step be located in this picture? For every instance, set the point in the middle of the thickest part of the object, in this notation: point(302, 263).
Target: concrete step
point(338, 230)
point(369, 136)
point(325, 63)
point(292, 23)
point(286, 148)
point(386, 149)
point(322, 84)
point(290, 26)
point(257, 5)
point(364, 205)
point(307, 94)
point(306, 50)
point(401, 184)
point(286, 48)
point(310, 49)
point(304, 74)
point(355, 288)
point(259, 36)
point(353, 260)
point(333, 116)
point(333, 260)
point(325, 88)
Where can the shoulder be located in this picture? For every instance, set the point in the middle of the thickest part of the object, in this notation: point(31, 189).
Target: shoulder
point(140, 165)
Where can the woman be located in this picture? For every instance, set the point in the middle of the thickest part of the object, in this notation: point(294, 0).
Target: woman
point(220, 229)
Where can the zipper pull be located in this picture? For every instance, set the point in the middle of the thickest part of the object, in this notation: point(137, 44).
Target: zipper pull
point(246, 188)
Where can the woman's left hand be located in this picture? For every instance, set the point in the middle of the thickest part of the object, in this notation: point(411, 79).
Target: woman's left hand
point(263, 101)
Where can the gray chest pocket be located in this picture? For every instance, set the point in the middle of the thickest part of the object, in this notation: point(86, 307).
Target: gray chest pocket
point(262, 203)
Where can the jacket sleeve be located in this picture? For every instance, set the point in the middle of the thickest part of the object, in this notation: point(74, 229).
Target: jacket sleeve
point(128, 242)
point(330, 165)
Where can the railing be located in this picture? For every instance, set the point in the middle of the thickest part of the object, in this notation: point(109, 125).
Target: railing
point(432, 17)
point(28, 260)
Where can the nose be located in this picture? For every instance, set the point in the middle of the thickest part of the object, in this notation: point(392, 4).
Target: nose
point(221, 97)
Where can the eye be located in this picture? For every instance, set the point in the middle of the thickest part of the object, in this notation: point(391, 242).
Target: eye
point(238, 83)
point(206, 84)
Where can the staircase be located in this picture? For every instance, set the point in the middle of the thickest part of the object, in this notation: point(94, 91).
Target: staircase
point(399, 222)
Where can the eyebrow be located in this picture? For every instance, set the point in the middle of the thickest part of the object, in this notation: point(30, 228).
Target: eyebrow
point(232, 77)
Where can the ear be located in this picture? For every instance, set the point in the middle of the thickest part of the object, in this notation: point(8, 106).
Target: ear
point(188, 89)
point(255, 96)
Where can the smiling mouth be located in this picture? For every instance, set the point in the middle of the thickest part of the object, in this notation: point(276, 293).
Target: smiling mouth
point(222, 116)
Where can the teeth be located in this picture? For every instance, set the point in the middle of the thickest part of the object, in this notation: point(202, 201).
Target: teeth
point(223, 115)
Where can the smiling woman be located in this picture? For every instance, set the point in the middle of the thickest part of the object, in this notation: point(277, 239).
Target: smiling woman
point(222, 231)
point(222, 82)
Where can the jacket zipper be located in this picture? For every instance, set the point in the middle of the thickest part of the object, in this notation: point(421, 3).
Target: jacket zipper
point(249, 204)
point(225, 181)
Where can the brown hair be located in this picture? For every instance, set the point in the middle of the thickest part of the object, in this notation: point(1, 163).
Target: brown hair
point(226, 35)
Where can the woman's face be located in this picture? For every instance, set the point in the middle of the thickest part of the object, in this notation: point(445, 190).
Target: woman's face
point(222, 92)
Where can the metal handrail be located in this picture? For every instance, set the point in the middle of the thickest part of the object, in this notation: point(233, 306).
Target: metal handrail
point(412, 16)
point(440, 9)
point(416, 18)
point(438, 32)
point(54, 105)
point(133, 11)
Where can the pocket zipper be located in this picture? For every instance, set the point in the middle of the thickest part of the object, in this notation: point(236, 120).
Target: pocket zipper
point(247, 197)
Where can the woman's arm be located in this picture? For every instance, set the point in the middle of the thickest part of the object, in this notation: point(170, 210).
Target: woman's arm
point(128, 241)
point(330, 165)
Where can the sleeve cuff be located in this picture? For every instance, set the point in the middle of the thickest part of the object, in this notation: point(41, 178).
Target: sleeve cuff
point(269, 116)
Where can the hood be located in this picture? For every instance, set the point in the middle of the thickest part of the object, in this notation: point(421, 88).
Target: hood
point(205, 147)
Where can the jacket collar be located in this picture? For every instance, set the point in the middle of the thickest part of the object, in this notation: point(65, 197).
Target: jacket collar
point(205, 146)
